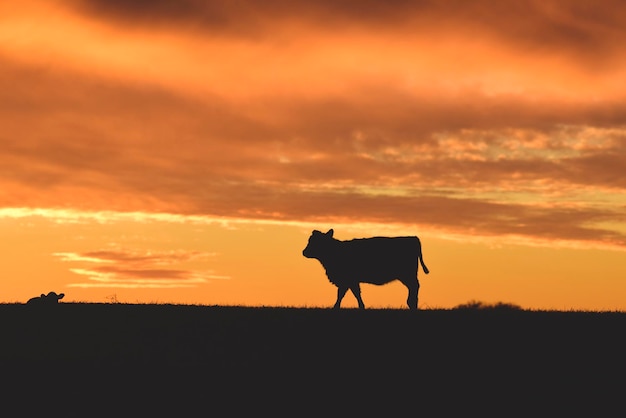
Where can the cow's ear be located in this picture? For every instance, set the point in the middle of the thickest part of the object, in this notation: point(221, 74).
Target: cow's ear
point(61, 295)
point(330, 233)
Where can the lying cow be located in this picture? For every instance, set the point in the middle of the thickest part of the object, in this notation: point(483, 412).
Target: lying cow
point(45, 300)
point(376, 260)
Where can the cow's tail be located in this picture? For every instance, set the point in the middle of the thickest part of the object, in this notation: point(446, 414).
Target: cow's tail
point(420, 257)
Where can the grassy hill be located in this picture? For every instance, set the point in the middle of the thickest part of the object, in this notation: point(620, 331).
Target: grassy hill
point(156, 358)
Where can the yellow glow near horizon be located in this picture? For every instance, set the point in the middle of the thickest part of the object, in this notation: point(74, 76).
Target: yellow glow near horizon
point(256, 263)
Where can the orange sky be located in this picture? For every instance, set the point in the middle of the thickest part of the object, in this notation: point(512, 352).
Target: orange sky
point(183, 152)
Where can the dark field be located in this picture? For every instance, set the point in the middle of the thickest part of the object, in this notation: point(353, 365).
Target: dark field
point(142, 360)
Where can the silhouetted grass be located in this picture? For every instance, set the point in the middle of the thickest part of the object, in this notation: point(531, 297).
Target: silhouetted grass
point(501, 306)
point(475, 357)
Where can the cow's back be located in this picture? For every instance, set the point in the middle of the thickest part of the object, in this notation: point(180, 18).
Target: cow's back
point(379, 259)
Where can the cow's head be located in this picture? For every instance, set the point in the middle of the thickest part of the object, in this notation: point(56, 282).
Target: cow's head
point(318, 244)
point(53, 297)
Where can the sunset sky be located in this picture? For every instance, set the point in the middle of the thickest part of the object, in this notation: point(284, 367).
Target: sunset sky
point(183, 151)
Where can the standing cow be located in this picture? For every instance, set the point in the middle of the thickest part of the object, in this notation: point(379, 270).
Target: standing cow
point(375, 260)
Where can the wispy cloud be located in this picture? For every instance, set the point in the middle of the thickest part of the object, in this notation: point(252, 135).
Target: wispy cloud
point(138, 269)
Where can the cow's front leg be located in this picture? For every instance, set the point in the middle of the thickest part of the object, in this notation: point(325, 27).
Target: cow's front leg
point(356, 290)
point(341, 292)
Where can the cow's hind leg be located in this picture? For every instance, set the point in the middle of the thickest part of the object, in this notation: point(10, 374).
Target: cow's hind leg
point(356, 290)
point(414, 286)
point(341, 292)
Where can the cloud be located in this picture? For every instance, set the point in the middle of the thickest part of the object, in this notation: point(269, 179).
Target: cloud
point(588, 35)
point(553, 20)
point(138, 269)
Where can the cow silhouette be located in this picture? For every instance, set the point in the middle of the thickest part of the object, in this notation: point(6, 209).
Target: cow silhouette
point(375, 260)
point(51, 298)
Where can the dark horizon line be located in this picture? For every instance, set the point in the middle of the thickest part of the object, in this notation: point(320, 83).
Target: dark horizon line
point(472, 306)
